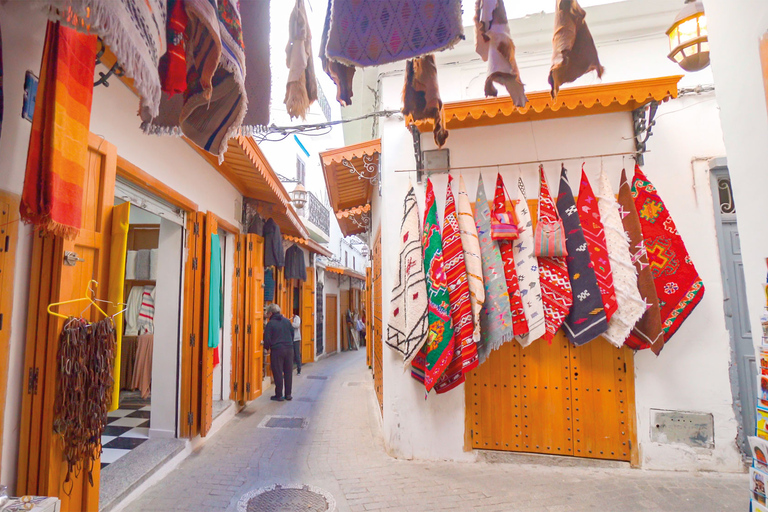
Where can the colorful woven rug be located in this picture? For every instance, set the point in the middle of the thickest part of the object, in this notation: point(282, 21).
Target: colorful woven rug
point(173, 65)
point(586, 319)
point(496, 315)
point(371, 33)
point(407, 327)
point(553, 272)
point(464, 351)
point(470, 244)
point(678, 285)
point(528, 271)
point(648, 330)
point(506, 248)
point(594, 232)
point(437, 352)
point(58, 143)
point(630, 305)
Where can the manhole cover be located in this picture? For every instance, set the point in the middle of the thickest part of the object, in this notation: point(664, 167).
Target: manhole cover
point(287, 498)
point(289, 422)
point(318, 377)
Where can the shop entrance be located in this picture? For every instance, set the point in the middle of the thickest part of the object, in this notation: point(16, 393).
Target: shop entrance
point(554, 398)
point(331, 319)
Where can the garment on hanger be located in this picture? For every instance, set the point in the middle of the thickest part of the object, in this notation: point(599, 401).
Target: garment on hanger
point(437, 352)
point(678, 285)
point(470, 246)
point(269, 284)
point(131, 315)
point(574, 52)
point(146, 321)
point(496, 315)
point(301, 90)
point(421, 96)
point(274, 253)
point(215, 299)
point(142, 369)
point(407, 328)
point(594, 233)
point(464, 351)
point(493, 42)
point(527, 266)
point(648, 330)
point(586, 319)
point(295, 264)
point(506, 248)
point(630, 305)
point(553, 271)
point(341, 74)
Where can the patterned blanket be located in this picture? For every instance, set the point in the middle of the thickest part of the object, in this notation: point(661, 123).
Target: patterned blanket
point(470, 244)
point(407, 327)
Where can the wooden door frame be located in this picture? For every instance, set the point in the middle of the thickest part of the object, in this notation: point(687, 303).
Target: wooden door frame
point(337, 343)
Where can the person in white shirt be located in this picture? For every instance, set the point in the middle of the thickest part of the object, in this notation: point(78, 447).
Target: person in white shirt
point(297, 340)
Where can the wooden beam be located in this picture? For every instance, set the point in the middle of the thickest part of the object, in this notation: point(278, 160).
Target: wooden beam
point(137, 176)
point(225, 225)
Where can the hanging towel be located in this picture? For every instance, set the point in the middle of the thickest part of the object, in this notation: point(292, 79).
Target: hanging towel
point(528, 271)
point(574, 52)
point(470, 245)
point(131, 315)
point(214, 292)
point(269, 285)
point(154, 255)
point(365, 33)
point(496, 315)
point(589, 213)
point(464, 351)
point(58, 143)
point(301, 90)
point(553, 272)
point(506, 248)
point(421, 96)
point(586, 319)
point(146, 320)
point(341, 74)
point(143, 264)
point(648, 330)
point(493, 42)
point(134, 31)
point(295, 264)
point(437, 352)
point(274, 253)
point(678, 285)
point(407, 327)
point(130, 265)
point(173, 65)
point(630, 304)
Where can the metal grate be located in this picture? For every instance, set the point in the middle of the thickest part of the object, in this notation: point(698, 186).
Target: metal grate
point(285, 422)
point(318, 377)
point(293, 498)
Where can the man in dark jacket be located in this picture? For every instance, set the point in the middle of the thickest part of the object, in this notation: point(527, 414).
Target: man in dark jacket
point(278, 339)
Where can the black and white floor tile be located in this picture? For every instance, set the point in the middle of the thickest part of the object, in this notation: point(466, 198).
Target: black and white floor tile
point(127, 428)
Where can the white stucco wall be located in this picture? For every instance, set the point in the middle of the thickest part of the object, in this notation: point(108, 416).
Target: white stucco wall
point(686, 128)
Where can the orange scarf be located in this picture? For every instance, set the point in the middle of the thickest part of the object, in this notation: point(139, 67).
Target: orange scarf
point(58, 144)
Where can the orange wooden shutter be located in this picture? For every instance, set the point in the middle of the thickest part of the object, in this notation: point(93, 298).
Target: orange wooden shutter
point(254, 317)
point(368, 318)
point(239, 298)
point(206, 352)
point(308, 317)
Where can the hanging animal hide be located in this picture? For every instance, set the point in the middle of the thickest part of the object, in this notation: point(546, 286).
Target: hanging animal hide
point(341, 74)
point(574, 52)
point(493, 42)
point(421, 96)
point(301, 90)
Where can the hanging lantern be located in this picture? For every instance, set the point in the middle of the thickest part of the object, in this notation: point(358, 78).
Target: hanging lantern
point(688, 43)
point(299, 196)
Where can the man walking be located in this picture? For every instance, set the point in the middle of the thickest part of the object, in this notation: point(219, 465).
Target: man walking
point(297, 340)
point(278, 339)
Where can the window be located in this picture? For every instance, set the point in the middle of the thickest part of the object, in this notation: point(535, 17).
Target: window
point(354, 265)
point(346, 259)
point(301, 170)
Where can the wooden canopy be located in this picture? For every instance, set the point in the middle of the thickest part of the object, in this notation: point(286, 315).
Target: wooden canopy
point(570, 102)
point(346, 271)
point(310, 245)
point(248, 170)
point(354, 221)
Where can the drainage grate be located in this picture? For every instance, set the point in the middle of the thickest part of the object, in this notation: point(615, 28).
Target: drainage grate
point(286, 422)
point(318, 377)
point(287, 498)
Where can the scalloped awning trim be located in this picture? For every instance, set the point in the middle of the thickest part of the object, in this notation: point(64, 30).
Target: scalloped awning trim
point(353, 212)
point(369, 148)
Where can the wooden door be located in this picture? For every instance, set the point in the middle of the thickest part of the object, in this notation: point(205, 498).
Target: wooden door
point(308, 317)
point(206, 352)
point(121, 216)
point(368, 317)
point(343, 307)
point(41, 468)
point(254, 317)
point(331, 321)
point(377, 338)
point(239, 298)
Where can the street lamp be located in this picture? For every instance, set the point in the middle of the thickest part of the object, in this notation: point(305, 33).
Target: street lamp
point(688, 43)
point(299, 196)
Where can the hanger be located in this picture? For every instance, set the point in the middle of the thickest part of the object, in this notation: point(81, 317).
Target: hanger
point(87, 298)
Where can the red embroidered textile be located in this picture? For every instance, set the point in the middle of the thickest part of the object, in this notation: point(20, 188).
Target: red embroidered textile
point(592, 226)
point(519, 323)
point(678, 285)
point(465, 351)
point(553, 272)
point(173, 65)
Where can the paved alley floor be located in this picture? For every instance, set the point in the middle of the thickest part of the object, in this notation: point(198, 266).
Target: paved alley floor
point(341, 451)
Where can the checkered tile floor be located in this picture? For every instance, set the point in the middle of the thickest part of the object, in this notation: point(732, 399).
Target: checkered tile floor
point(127, 428)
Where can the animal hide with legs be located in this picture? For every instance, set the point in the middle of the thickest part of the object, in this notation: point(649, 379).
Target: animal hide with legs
point(574, 52)
point(421, 96)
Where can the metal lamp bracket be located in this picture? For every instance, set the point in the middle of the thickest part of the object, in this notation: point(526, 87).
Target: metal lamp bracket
point(643, 121)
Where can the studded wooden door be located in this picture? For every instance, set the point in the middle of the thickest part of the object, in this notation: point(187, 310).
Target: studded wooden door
point(378, 331)
point(308, 317)
point(254, 317)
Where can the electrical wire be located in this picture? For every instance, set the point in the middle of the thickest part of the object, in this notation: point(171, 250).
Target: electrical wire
point(279, 133)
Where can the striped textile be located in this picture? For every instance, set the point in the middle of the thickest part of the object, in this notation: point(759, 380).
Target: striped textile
point(586, 318)
point(470, 244)
point(496, 315)
point(58, 143)
point(438, 351)
point(630, 305)
point(465, 350)
point(553, 272)
point(506, 248)
point(528, 271)
point(648, 330)
point(146, 321)
point(677, 282)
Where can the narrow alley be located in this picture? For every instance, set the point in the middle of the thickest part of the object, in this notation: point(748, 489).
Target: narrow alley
point(341, 452)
